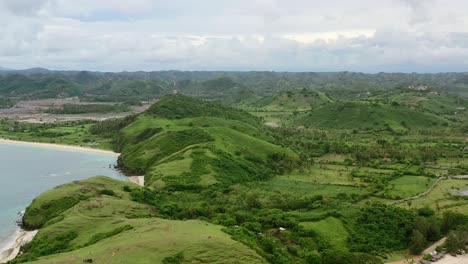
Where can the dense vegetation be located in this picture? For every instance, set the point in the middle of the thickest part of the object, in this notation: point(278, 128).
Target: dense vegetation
point(231, 87)
point(104, 225)
point(289, 195)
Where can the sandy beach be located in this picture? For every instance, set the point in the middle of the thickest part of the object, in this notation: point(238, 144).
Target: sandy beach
point(448, 259)
point(140, 180)
point(21, 237)
point(57, 146)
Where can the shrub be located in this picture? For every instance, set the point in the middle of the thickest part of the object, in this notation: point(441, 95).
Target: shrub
point(107, 192)
point(176, 259)
point(313, 258)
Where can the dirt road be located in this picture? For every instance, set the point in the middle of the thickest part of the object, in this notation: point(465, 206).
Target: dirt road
point(417, 258)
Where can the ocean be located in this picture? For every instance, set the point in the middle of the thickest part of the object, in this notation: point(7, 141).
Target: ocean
point(27, 171)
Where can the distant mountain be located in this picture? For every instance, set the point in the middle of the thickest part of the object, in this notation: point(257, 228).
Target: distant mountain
point(294, 99)
point(34, 71)
point(30, 71)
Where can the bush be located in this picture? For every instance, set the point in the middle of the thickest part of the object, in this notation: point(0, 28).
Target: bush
point(100, 236)
point(107, 192)
point(176, 259)
point(313, 258)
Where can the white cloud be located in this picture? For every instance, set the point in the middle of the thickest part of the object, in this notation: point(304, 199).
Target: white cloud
point(297, 35)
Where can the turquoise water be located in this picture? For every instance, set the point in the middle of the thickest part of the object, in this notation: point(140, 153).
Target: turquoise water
point(27, 171)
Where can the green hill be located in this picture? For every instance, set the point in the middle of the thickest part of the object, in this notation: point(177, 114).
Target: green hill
point(96, 220)
point(182, 142)
point(365, 115)
point(295, 99)
point(188, 150)
point(181, 106)
point(430, 101)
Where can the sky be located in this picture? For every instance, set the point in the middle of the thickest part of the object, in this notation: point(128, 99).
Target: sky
point(271, 35)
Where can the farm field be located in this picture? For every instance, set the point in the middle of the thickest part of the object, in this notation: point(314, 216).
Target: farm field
point(408, 186)
point(445, 196)
point(331, 230)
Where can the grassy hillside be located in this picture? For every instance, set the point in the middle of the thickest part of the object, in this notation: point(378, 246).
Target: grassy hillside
point(96, 220)
point(205, 143)
point(180, 106)
point(296, 99)
point(362, 115)
point(443, 104)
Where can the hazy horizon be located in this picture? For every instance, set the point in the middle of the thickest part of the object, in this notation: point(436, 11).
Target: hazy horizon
point(214, 70)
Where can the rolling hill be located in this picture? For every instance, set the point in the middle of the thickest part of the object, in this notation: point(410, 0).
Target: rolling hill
point(182, 142)
point(292, 100)
point(96, 221)
point(365, 115)
point(429, 101)
point(220, 187)
point(185, 147)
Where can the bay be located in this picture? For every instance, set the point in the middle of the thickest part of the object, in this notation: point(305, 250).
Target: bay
point(27, 171)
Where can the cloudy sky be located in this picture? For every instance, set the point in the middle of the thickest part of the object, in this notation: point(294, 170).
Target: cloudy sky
point(279, 35)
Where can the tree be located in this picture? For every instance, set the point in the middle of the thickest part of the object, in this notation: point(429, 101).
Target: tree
point(456, 240)
point(417, 243)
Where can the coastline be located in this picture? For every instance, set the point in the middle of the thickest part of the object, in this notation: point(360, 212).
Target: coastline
point(19, 238)
point(58, 146)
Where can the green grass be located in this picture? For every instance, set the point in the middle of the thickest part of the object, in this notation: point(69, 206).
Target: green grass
point(362, 115)
point(323, 174)
point(114, 229)
point(53, 202)
point(445, 196)
point(152, 240)
point(230, 144)
point(330, 229)
point(290, 186)
point(180, 106)
point(407, 186)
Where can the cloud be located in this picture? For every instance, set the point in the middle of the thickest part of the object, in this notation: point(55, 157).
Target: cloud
point(21, 7)
point(296, 35)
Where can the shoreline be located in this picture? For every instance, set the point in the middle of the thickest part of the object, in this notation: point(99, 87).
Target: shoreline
point(58, 146)
point(19, 238)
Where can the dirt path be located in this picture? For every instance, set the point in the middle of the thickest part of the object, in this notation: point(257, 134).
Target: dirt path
point(419, 257)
